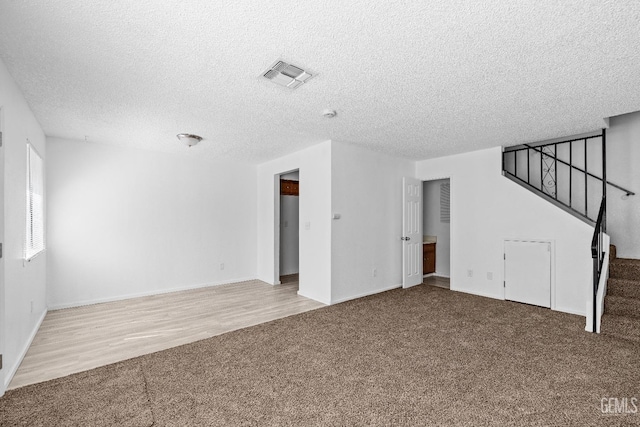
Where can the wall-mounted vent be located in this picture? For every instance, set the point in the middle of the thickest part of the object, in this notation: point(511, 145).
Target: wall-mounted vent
point(287, 75)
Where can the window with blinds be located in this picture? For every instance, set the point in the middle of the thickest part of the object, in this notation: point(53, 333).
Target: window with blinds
point(34, 242)
point(445, 200)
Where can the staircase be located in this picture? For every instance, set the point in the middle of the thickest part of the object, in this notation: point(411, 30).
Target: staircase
point(621, 317)
point(572, 174)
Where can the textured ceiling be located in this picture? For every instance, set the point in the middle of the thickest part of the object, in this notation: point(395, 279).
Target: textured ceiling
point(417, 79)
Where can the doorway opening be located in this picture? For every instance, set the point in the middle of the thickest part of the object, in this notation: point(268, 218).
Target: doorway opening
point(436, 231)
point(289, 253)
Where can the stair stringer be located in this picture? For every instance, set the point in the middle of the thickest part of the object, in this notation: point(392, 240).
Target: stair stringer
point(548, 198)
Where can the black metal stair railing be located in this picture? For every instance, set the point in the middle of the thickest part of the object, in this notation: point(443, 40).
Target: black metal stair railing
point(598, 253)
point(573, 175)
point(569, 173)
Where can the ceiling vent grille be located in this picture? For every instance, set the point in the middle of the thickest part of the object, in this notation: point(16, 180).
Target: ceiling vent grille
point(287, 75)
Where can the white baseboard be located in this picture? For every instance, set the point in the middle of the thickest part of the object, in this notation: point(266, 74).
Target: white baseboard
point(146, 293)
point(480, 294)
point(320, 300)
point(569, 311)
point(366, 294)
point(14, 368)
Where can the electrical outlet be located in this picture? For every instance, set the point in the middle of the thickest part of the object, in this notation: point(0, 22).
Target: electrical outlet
point(469, 273)
point(307, 225)
point(222, 266)
point(489, 275)
point(375, 272)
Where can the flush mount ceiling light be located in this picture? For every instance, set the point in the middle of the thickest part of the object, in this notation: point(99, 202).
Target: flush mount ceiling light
point(189, 139)
point(329, 113)
point(287, 75)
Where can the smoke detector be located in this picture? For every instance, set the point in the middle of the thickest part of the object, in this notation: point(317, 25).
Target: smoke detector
point(287, 75)
point(329, 113)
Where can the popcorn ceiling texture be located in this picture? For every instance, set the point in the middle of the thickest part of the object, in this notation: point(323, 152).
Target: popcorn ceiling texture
point(412, 78)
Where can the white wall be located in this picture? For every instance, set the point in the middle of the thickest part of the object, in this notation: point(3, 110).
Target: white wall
point(126, 222)
point(292, 176)
point(289, 235)
point(24, 283)
point(432, 226)
point(487, 208)
point(314, 164)
point(623, 158)
point(367, 193)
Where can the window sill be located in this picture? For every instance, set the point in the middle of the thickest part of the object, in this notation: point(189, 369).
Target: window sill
point(34, 256)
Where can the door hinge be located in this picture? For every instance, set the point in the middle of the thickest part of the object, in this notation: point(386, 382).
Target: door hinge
point(0, 250)
point(0, 139)
point(504, 284)
point(505, 256)
point(0, 361)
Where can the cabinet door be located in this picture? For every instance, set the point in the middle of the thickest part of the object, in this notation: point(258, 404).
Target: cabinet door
point(288, 188)
point(425, 264)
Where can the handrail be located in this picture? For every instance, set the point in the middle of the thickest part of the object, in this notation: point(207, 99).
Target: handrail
point(554, 157)
point(557, 142)
point(594, 240)
point(597, 254)
point(551, 183)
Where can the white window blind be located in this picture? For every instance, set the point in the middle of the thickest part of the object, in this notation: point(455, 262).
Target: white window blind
point(445, 200)
point(34, 243)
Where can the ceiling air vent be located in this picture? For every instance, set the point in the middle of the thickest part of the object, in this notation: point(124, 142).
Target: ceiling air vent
point(287, 75)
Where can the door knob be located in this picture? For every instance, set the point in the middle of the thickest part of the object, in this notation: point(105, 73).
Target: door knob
point(405, 238)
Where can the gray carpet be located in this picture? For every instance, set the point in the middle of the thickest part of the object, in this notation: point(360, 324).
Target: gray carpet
point(621, 317)
point(423, 356)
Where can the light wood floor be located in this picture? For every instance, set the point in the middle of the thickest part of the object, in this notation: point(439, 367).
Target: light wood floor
point(441, 282)
point(77, 339)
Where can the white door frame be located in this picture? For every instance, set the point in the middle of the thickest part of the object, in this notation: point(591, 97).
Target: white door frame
point(452, 229)
point(276, 227)
point(450, 219)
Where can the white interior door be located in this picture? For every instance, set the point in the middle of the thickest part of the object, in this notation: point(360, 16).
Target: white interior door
point(527, 272)
point(411, 232)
